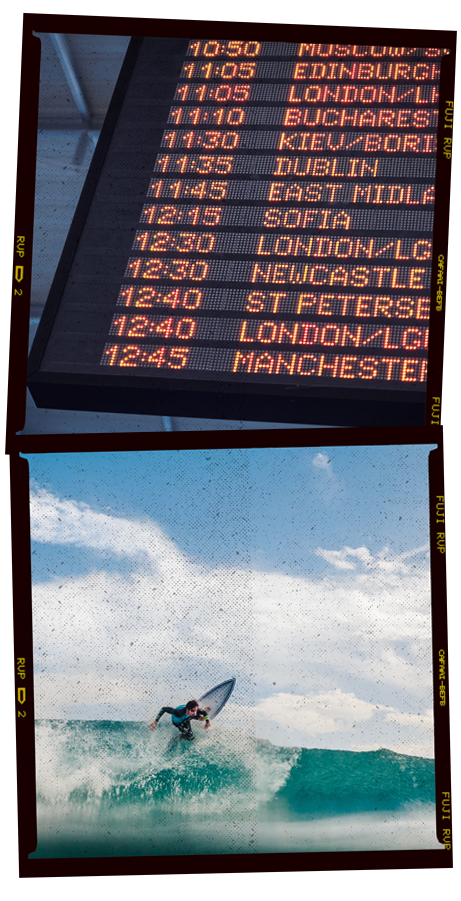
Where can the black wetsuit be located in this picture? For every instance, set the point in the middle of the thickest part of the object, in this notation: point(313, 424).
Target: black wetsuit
point(182, 720)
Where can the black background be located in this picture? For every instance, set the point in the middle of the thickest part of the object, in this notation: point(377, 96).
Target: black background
point(22, 60)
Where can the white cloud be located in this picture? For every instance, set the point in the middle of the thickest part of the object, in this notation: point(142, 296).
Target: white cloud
point(336, 558)
point(331, 711)
point(341, 720)
point(385, 564)
point(328, 484)
point(423, 722)
point(82, 691)
point(321, 461)
point(70, 522)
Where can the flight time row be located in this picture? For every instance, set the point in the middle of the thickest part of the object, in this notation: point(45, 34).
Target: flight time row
point(330, 304)
point(208, 48)
point(300, 244)
point(310, 116)
point(381, 194)
point(268, 331)
point(407, 278)
point(259, 92)
point(289, 218)
point(418, 72)
point(393, 142)
point(354, 167)
point(281, 366)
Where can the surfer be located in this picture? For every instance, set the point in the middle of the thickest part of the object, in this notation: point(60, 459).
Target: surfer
point(181, 717)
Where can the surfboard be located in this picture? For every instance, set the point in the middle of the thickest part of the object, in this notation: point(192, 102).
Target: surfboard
point(216, 697)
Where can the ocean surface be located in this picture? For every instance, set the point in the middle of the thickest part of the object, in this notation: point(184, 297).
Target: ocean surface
point(116, 789)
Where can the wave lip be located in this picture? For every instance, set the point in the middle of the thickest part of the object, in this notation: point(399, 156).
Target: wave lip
point(325, 782)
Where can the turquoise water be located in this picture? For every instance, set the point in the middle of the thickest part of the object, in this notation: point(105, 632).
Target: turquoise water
point(116, 789)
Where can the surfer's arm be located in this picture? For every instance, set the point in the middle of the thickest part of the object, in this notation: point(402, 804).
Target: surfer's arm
point(160, 714)
point(203, 715)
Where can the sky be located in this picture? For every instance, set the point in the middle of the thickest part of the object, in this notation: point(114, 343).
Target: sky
point(303, 572)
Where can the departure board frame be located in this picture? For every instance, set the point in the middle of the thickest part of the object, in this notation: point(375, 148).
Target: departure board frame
point(265, 366)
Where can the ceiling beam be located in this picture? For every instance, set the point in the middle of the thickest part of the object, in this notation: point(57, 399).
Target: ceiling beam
point(65, 58)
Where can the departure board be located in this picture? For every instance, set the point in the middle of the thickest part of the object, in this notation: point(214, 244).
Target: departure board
point(256, 237)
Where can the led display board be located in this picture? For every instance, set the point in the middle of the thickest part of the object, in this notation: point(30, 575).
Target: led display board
point(256, 238)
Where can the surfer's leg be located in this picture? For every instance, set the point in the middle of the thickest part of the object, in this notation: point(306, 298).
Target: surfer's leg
point(186, 731)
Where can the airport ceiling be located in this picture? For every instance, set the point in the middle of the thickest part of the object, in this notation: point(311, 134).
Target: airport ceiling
point(96, 61)
point(78, 74)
